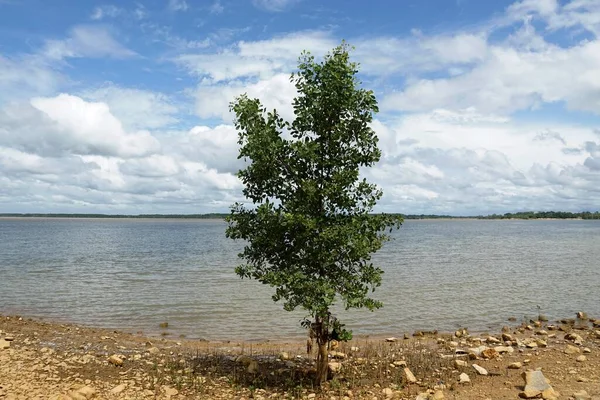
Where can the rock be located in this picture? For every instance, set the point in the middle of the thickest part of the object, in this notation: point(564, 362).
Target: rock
point(504, 349)
point(489, 354)
point(252, 367)
point(460, 364)
point(115, 360)
point(571, 349)
point(153, 350)
point(4, 344)
point(464, 378)
point(536, 384)
point(582, 315)
point(284, 355)
point(387, 393)
point(480, 370)
point(410, 377)
point(574, 337)
point(542, 318)
point(438, 395)
point(334, 367)
point(9, 338)
point(118, 389)
point(391, 340)
point(581, 395)
point(400, 363)
point(311, 396)
point(507, 337)
point(586, 350)
point(337, 355)
point(430, 395)
point(87, 392)
point(581, 358)
point(169, 391)
point(515, 365)
point(475, 352)
point(492, 340)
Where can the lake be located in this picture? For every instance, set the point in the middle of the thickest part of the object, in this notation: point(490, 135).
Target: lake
point(133, 274)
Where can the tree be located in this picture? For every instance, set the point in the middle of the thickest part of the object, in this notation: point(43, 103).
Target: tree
point(310, 232)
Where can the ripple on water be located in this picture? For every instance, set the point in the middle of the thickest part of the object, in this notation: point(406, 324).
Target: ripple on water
point(135, 274)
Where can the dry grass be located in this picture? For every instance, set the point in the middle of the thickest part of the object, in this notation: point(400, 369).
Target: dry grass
point(373, 366)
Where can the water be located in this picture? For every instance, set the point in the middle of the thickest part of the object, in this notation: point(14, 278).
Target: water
point(135, 274)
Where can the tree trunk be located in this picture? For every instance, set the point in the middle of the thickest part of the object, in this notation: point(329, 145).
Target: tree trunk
point(322, 364)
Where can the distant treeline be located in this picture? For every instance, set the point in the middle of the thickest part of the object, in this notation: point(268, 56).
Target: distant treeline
point(545, 215)
point(182, 216)
point(517, 215)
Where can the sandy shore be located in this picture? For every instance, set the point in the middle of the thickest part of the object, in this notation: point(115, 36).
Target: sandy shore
point(41, 360)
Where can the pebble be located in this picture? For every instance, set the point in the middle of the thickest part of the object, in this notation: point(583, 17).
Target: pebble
point(410, 377)
point(581, 395)
point(571, 349)
point(480, 370)
point(115, 360)
point(464, 378)
point(118, 389)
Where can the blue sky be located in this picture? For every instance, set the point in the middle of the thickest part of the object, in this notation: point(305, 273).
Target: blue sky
point(121, 107)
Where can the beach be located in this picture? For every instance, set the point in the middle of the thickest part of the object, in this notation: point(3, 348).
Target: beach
point(41, 360)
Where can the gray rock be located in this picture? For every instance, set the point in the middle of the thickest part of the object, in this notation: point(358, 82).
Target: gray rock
point(464, 378)
point(480, 370)
point(536, 384)
point(504, 349)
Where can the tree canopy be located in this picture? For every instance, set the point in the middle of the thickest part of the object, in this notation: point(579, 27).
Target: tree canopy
point(310, 230)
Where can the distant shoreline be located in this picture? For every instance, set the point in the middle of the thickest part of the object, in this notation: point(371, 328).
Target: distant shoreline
point(523, 216)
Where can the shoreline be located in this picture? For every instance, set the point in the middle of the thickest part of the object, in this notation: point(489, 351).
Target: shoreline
point(42, 359)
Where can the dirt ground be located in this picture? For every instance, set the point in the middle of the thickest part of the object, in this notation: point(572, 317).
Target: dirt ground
point(44, 360)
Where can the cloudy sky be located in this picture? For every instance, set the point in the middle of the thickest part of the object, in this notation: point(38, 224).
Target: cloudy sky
point(122, 107)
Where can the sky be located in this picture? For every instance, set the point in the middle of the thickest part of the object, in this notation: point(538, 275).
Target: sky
point(122, 107)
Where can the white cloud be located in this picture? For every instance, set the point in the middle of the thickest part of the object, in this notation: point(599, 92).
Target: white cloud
point(80, 127)
point(106, 11)
point(216, 7)
point(509, 80)
point(25, 76)
point(274, 5)
point(86, 41)
point(135, 108)
point(178, 5)
point(277, 92)
point(256, 59)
